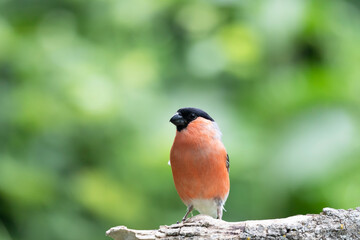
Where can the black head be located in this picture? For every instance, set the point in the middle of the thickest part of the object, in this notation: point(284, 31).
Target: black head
point(185, 115)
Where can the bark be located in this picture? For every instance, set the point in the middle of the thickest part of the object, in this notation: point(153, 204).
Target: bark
point(329, 224)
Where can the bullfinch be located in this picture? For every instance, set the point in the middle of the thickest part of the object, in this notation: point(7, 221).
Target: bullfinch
point(199, 162)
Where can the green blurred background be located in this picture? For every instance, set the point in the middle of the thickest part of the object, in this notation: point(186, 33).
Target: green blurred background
point(87, 89)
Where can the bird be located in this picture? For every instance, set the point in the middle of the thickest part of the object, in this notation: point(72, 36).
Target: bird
point(199, 162)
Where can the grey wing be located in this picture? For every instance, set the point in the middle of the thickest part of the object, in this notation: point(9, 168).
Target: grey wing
point(227, 162)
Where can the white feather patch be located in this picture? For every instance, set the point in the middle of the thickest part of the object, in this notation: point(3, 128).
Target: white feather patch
point(205, 206)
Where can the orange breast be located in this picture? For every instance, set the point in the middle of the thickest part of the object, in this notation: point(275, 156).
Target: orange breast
point(198, 162)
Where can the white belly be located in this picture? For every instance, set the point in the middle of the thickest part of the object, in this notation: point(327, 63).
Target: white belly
point(205, 206)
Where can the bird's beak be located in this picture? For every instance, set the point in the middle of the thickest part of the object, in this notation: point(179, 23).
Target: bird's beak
point(177, 120)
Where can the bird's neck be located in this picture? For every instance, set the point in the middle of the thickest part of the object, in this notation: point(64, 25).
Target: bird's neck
point(199, 130)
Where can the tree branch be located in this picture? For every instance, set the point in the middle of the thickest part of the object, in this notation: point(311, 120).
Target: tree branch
point(329, 224)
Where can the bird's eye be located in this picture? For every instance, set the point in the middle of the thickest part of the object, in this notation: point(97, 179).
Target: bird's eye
point(192, 116)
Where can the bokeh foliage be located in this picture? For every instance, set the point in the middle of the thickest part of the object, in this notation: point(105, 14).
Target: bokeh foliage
point(87, 89)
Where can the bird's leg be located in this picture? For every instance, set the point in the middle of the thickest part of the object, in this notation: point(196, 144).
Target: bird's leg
point(219, 207)
point(219, 211)
point(189, 209)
